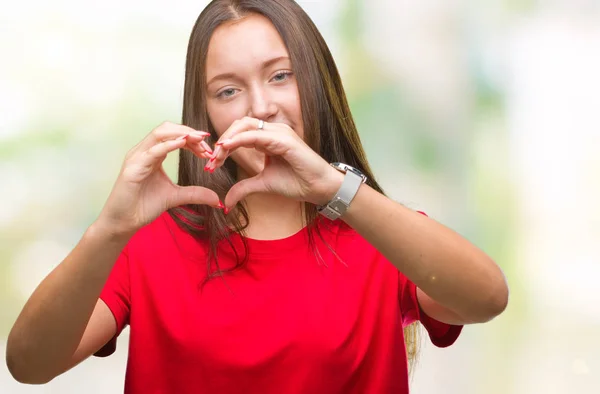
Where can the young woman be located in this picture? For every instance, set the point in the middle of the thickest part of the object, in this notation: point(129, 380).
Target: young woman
point(277, 264)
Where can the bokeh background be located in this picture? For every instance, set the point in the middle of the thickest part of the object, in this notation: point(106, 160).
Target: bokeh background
point(484, 113)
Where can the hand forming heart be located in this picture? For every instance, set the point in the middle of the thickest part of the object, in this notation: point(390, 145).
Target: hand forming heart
point(291, 167)
point(143, 190)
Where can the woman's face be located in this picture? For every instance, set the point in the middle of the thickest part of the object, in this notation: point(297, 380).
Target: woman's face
point(249, 73)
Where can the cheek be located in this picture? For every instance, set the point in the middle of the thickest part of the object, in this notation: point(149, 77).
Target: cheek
point(293, 110)
point(298, 119)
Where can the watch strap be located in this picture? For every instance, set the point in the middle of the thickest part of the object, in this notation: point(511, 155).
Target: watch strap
point(344, 196)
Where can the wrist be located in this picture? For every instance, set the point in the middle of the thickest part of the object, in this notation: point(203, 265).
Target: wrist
point(332, 183)
point(108, 231)
point(341, 200)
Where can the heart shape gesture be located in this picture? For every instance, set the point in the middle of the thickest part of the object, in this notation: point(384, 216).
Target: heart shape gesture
point(291, 168)
point(143, 190)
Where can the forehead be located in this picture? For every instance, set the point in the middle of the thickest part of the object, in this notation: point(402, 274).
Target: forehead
point(243, 43)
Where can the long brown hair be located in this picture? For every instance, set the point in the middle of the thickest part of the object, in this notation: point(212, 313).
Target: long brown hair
point(329, 128)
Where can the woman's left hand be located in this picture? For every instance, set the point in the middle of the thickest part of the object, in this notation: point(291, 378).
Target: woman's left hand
point(291, 167)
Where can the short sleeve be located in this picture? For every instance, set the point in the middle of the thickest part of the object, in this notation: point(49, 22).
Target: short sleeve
point(440, 334)
point(116, 295)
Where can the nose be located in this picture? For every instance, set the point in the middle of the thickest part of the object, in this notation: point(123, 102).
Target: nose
point(261, 105)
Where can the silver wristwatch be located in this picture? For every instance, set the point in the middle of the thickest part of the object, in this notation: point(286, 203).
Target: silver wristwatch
point(342, 199)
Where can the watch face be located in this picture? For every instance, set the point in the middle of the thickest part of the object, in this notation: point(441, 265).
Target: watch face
point(347, 168)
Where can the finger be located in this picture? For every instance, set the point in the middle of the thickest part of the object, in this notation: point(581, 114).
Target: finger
point(217, 158)
point(157, 153)
point(216, 152)
point(273, 143)
point(167, 131)
point(213, 157)
point(244, 188)
point(237, 127)
point(200, 149)
point(197, 136)
point(198, 152)
point(240, 125)
point(206, 147)
point(183, 195)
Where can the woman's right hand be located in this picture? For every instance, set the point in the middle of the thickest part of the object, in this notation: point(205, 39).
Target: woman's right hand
point(143, 190)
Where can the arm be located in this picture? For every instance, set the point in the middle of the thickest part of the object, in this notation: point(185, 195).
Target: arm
point(457, 282)
point(63, 322)
point(44, 340)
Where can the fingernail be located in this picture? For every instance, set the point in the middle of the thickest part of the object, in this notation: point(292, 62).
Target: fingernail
point(221, 205)
point(225, 210)
point(181, 137)
point(206, 168)
point(202, 133)
point(212, 159)
point(226, 141)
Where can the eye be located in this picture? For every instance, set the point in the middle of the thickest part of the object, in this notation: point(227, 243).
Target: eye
point(281, 76)
point(226, 93)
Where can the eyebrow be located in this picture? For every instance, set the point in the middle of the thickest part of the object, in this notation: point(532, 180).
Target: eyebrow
point(265, 64)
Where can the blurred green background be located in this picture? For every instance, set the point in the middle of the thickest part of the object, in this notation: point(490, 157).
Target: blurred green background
point(483, 114)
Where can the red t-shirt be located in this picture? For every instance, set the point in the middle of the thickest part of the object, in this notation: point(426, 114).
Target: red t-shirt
point(286, 322)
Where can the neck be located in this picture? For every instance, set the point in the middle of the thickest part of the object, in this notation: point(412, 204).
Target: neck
point(273, 216)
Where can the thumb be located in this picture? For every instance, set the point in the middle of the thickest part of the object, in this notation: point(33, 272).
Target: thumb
point(243, 188)
point(193, 195)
